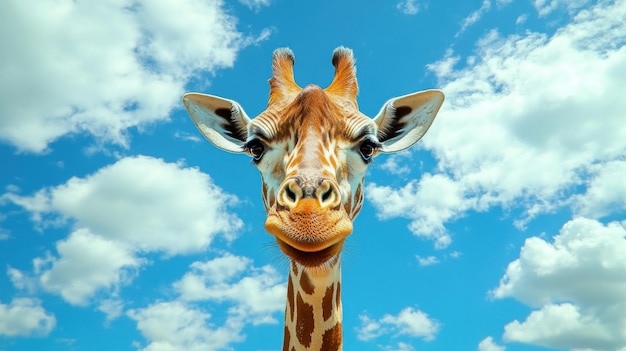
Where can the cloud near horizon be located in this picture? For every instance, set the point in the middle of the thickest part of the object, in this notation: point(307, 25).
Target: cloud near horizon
point(409, 322)
point(576, 285)
point(25, 316)
point(254, 295)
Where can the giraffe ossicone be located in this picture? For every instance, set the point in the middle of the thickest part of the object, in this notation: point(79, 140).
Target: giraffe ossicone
point(312, 147)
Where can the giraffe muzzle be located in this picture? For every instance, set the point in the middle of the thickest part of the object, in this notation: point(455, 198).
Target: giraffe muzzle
point(309, 222)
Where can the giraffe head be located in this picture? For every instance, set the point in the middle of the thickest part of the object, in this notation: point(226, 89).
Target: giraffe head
point(312, 147)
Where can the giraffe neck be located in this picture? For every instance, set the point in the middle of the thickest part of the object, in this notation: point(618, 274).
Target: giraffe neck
point(313, 314)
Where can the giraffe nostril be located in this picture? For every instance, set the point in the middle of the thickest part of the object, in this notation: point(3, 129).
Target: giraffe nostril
point(294, 190)
point(290, 194)
point(326, 195)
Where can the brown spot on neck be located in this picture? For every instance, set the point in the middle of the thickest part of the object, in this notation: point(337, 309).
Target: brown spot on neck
point(305, 323)
point(331, 340)
point(327, 302)
point(306, 284)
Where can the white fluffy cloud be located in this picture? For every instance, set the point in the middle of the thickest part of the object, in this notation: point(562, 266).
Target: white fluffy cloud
point(584, 263)
point(177, 326)
point(429, 203)
point(254, 294)
point(103, 67)
point(136, 205)
point(399, 163)
point(577, 282)
point(427, 261)
point(409, 322)
point(606, 191)
point(86, 264)
point(487, 344)
point(528, 122)
point(25, 316)
point(142, 202)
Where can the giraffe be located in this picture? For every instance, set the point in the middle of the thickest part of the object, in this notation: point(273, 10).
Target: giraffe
point(312, 147)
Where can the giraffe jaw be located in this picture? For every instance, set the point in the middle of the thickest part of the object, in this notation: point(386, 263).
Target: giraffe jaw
point(312, 259)
point(310, 238)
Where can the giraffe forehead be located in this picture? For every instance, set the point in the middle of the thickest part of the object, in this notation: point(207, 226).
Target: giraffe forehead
point(313, 112)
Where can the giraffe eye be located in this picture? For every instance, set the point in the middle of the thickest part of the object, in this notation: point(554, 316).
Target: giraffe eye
point(367, 150)
point(255, 149)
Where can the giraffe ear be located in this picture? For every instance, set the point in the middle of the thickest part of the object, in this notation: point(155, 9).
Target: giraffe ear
point(404, 120)
point(223, 122)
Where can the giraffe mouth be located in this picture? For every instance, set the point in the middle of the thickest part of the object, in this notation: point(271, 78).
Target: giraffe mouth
point(311, 258)
point(308, 234)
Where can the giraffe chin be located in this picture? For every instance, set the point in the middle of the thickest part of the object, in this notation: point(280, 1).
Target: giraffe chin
point(308, 259)
point(305, 239)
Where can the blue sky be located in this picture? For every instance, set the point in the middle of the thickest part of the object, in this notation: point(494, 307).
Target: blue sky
point(121, 228)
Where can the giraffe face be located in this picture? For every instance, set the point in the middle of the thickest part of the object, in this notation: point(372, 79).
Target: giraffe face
point(312, 154)
point(312, 147)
